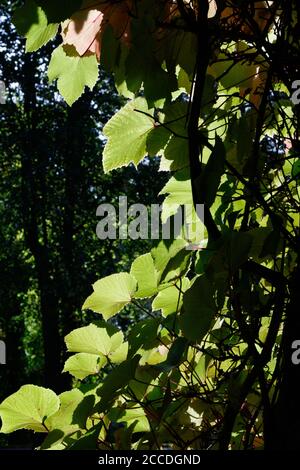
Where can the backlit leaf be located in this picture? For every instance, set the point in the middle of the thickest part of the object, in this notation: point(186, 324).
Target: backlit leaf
point(111, 294)
point(28, 408)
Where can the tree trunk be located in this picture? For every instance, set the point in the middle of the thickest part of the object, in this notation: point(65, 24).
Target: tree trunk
point(34, 237)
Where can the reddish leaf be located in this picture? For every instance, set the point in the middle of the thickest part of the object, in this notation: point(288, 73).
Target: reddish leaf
point(85, 28)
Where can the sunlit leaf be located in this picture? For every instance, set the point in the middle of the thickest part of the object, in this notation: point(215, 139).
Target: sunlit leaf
point(28, 408)
point(111, 294)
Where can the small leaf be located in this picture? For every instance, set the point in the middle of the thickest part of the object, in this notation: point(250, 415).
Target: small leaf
point(169, 300)
point(165, 251)
point(176, 153)
point(28, 408)
point(143, 270)
point(177, 266)
point(89, 339)
point(31, 22)
point(120, 354)
point(111, 294)
point(127, 133)
point(83, 364)
point(72, 72)
point(179, 193)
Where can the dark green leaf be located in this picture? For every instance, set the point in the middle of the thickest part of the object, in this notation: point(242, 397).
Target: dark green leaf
point(211, 176)
point(199, 309)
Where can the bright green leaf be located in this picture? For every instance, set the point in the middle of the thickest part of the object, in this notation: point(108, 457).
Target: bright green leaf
point(28, 408)
point(119, 355)
point(72, 72)
point(111, 294)
point(127, 133)
point(169, 299)
point(64, 419)
point(143, 270)
point(89, 339)
point(83, 364)
point(31, 21)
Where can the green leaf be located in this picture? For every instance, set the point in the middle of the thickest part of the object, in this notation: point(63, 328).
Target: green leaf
point(64, 418)
point(176, 153)
point(89, 440)
point(177, 266)
point(180, 192)
point(116, 380)
point(127, 133)
point(111, 294)
point(94, 341)
point(116, 339)
point(296, 169)
point(110, 49)
point(131, 416)
point(143, 270)
point(120, 354)
point(143, 335)
point(233, 74)
point(157, 140)
point(180, 202)
point(141, 67)
point(31, 22)
point(28, 408)
point(89, 339)
point(179, 48)
point(165, 251)
point(83, 364)
point(169, 300)
point(211, 176)
point(199, 309)
point(72, 72)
